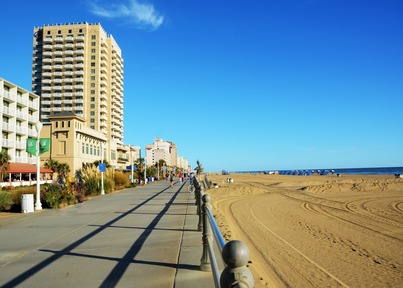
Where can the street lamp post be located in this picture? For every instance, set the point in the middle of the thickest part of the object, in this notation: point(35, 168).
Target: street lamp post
point(131, 162)
point(38, 204)
point(102, 173)
point(145, 167)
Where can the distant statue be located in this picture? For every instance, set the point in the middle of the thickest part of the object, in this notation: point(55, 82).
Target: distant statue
point(199, 169)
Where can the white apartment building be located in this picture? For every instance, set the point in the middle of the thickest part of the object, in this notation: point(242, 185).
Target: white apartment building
point(78, 67)
point(19, 111)
point(167, 151)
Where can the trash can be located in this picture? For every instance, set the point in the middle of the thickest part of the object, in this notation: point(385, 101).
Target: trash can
point(27, 203)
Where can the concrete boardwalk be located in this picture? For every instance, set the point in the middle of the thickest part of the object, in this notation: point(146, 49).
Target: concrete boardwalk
point(140, 237)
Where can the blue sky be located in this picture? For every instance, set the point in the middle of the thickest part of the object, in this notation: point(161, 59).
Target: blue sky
point(245, 85)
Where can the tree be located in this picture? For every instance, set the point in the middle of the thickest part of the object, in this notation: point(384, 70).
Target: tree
point(4, 163)
point(61, 169)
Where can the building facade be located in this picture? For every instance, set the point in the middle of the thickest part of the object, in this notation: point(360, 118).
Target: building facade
point(19, 112)
point(78, 67)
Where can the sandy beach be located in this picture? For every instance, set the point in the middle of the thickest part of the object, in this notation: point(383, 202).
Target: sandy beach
point(315, 231)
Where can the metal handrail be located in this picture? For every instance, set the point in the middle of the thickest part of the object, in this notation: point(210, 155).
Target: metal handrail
point(234, 253)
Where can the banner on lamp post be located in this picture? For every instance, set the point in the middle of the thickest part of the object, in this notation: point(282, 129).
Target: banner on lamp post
point(44, 144)
point(31, 146)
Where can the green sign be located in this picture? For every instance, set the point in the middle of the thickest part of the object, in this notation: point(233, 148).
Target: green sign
point(31, 146)
point(44, 145)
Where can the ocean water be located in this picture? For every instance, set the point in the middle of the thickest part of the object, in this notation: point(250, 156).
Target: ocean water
point(372, 171)
point(362, 171)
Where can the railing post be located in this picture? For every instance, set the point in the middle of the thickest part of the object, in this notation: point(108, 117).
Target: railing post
point(236, 255)
point(199, 193)
point(205, 261)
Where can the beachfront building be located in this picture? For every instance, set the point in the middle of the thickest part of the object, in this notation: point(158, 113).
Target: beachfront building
point(78, 68)
point(19, 111)
point(182, 163)
point(161, 150)
point(72, 142)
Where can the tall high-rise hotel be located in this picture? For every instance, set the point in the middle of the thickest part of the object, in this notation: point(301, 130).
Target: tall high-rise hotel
point(78, 67)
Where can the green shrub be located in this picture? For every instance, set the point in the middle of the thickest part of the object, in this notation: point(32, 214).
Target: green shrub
point(51, 195)
point(6, 202)
point(121, 179)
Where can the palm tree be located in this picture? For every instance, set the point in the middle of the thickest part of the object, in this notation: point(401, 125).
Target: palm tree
point(52, 165)
point(4, 163)
point(63, 172)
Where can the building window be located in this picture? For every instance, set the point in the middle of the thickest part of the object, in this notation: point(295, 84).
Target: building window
point(92, 92)
point(93, 85)
point(92, 113)
point(92, 71)
point(92, 99)
point(92, 120)
point(92, 127)
point(86, 148)
point(68, 124)
point(91, 150)
point(93, 50)
point(57, 124)
point(93, 37)
point(92, 78)
point(82, 148)
point(81, 30)
point(93, 43)
point(92, 57)
point(92, 64)
point(92, 106)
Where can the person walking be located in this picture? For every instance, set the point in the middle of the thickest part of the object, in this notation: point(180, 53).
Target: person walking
point(171, 180)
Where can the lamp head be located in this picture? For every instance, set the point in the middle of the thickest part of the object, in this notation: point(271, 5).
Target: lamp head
point(38, 126)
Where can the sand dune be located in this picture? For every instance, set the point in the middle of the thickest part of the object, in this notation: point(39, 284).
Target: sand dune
point(315, 231)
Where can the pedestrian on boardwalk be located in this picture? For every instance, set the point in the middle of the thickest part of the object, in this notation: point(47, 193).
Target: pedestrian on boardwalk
point(171, 180)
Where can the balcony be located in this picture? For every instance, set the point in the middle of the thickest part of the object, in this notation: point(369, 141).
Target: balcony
point(21, 130)
point(7, 143)
point(20, 144)
point(8, 111)
point(8, 127)
point(21, 115)
point(68, 52)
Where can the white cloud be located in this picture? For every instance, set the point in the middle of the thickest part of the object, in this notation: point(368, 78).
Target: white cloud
point(143, 15)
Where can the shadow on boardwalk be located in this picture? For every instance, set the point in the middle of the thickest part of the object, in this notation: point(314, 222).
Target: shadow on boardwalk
point(92, 246)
